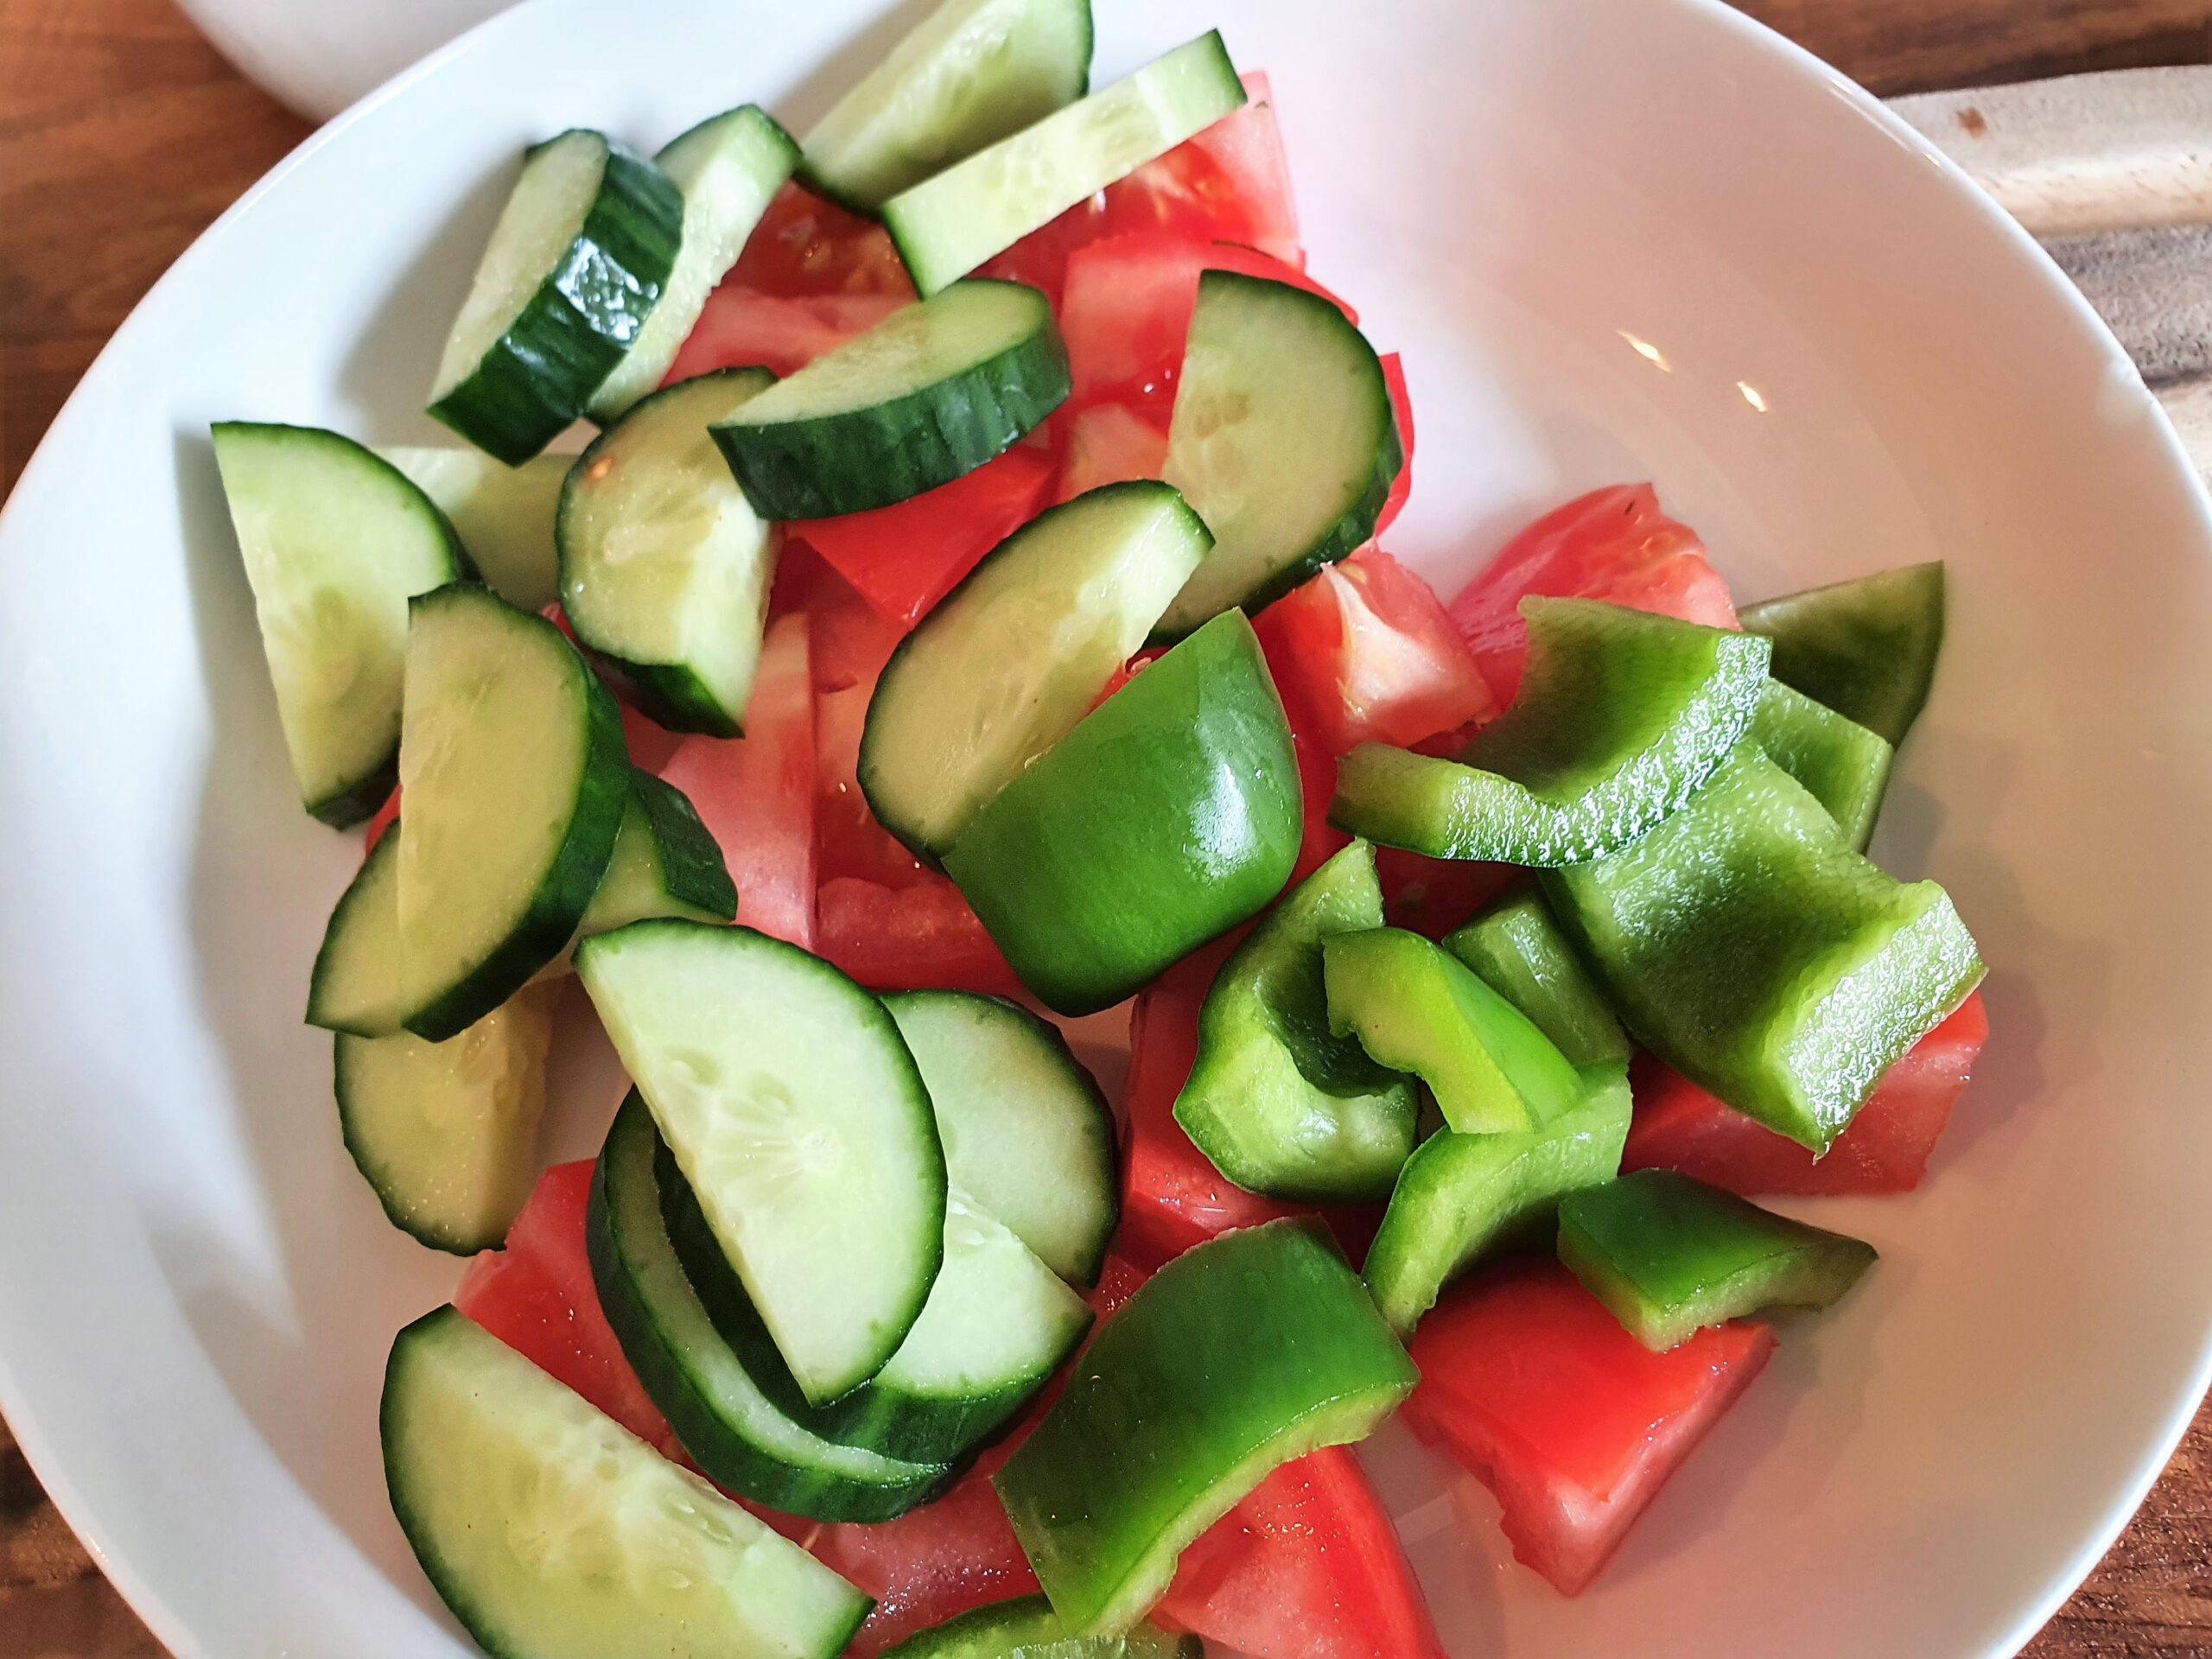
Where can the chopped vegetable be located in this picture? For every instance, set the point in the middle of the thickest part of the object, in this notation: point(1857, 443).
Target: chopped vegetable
point(1841, 765)
point(1518, 950)
point(1029, 1629)
point(1866, 648)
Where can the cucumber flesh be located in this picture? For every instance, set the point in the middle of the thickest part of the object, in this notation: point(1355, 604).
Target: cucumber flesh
point(515, 775)
point(729, 169)
point(931, 393)
point(951, 223)
point(1027, 1628)
point(553, 1533)
point(1015, 655)
point(664, 566)
point(1283, 438)
point(445, 1134)
point(503, 514)
point(354, 985)
point(801, 1122)
point(719, 1413)
point(968, 75)
point(1027, 1133)
point(335, 542)
point(665, 864)
point(1866, 648)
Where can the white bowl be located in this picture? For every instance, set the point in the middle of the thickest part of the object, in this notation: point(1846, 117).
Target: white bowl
point(1616, 239)
point(317, 56)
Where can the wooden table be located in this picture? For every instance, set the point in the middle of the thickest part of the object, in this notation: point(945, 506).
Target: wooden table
point(122, 135)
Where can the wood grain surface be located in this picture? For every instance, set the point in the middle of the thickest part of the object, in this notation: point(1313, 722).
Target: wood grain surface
point(122, 135)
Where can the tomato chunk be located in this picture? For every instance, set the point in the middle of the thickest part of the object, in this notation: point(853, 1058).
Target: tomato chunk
point(1537, 1389)
point(920, 936)
point(1678, 1126)
point(1109, 443)
point(1612, 544)
point(537, 1296)
point(743, 327)
point(804, 245)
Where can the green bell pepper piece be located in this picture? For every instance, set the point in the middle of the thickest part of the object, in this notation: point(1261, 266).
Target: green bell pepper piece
point(1867, 648)
point(1417, 1009)
point(1170, 814)
point(1620, 716)
point(1746, 944)
point(1842, 765)
point(1670, 1256)
point(1239, 1355)
point(1282, 1105)
point(1027, 1628)
point(1517, 948)
point(1460, 1196)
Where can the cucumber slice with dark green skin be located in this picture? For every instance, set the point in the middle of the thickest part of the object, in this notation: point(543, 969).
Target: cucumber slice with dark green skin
point(1170, 814)
point(971, 73)
point(553, 1533)
point(720, 1416)
point(1027, 1628)
point(1747, 945)
point(1842, 765)
point(926, 395)
point(1417, 1008)
point(727, 169)
point(575, 266)
point(1278, 1102)
point(1518, 950)
point(1463, 1197)
point(1866, 648)
point(335, 540)
point(799, 1117)
point(1620, 716)
point(503, 514)
point(997, 1324)
point(515, 773)
point(1283, 438)
point(1014, 656)
point(1027, 1130)
point(666, 863)
point(1248, 1350)
point(953, 221)
point(445, 1134)
point(354, 985)
point(664, 566)
point(1669, 1255)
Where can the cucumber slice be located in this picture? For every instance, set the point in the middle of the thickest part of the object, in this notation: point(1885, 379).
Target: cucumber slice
point(729, 169)
point(1517, 949)
point(931, 393)
point(447, 1133)
point(948, 224)
point(1015, 655)
point(664, 568)
point(335, 542)
point(1283, 438)
point(1027, 1628)
point(1280, 1104)
point(800, 1120)
point(552, 1533)
point(575, 266)
point(503, 514)
point(997, 1324)
point(512, 760)
point(354, 985)
point(1867, 648)
point(1841, 765)
point(720, 1416)
point(967, 75)
point(1027, 1131)
point(666, 863)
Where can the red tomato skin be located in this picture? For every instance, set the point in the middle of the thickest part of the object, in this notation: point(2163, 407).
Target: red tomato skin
point(1110, 442)
point(743, 327)
point(387, 815)
point(1678, 1126)
point(1401, 406)
point(755, 793)
point(1530, 1384)
point(537, 1296)
point(1612, 544)
point(922, 935)
point(806, 246)
point(1432, 896)
point(1307, 1565)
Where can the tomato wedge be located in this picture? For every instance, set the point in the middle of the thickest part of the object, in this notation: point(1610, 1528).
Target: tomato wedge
point(1109, 443)
point(743, 327)
point(921, 936)
point(804, 245)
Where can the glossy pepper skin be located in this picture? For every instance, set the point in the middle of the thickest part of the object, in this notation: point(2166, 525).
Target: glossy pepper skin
point(1621, 716)
point(1170, 814)
point(1027, 1628)
point(1517, 949)
point(1746, 944)
point(1236, 1357)
point(1866, 648)
point(1669, 1256)
point(1281, 1104)
point(1841, 765)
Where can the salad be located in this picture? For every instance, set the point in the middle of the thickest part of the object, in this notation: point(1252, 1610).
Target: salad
point(972, 613)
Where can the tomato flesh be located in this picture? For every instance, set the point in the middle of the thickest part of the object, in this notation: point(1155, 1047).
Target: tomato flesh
point(741, 328)
point(1109, 443)
point(921, 936)
point(804, 245)
point(1529, 1383)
